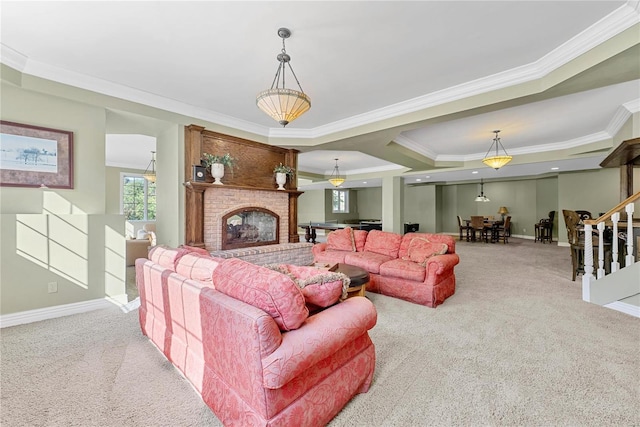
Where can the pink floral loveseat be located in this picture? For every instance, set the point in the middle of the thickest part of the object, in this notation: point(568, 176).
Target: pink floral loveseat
point(416, 267)
point(243, 336)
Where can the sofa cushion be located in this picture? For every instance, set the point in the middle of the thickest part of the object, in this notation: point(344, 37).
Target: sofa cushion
point(341, 240)
point(330, 256)
point(271, 291)
point(383, 242)
point(196, 266)
point(422, 249)
point(370, 261)
point(360, 238)
point(320, 287)
point(434, 238)
point(403, 269)
point(165, 256)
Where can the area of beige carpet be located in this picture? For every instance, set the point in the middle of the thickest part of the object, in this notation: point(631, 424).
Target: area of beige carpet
point(515, 346)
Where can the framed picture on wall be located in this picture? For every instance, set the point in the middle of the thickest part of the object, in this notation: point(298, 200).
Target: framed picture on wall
point(34, 156)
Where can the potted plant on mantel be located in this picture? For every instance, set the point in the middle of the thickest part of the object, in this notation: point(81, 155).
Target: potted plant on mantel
point(215, 165)
point(282, 171)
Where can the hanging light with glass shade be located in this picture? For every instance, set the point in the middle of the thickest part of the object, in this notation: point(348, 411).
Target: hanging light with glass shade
point(336, 179)
point(282, 104)
point(150, 172)
point(481, 197)
point(498, 160)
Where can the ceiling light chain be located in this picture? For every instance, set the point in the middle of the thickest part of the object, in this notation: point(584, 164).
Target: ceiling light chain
point(498, 160)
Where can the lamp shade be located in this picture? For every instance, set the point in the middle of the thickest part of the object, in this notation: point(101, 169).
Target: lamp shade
point(496, 162)
point(283, 105)
point(503, 210)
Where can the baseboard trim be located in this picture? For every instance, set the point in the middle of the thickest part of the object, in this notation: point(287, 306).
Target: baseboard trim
point(39, 314)
point(631, 310)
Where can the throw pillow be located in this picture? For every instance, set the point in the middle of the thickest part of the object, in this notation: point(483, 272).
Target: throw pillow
point(420, 250)
point(360, 238)
point(321, 288)
point(383, 243)
point(341, 240)
point(272, 292)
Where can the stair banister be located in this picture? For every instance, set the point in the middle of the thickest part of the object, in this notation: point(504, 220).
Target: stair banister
point(614, 215)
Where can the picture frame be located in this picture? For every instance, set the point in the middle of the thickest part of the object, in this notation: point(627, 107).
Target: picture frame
point(199, 173)
point(35, 156)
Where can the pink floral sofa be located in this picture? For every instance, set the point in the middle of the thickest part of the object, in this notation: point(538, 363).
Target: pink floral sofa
point(243, 336)
point(416, 267)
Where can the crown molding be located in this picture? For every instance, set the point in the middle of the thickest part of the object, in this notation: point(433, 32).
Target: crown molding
point(609, 26)
point(25, 65)
point(616, 22)
point(415, 146)
point(12, 58)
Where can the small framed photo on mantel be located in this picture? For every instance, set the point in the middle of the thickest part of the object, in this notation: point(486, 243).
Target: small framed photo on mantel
point(199, 173)
point(34, 156)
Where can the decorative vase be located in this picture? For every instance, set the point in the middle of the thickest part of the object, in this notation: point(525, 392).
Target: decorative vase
point(281, 179)
point(217, 172)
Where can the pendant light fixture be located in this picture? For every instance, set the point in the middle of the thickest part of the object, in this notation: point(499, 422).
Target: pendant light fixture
point(282, 104)
point(498, 160)
point(336, 180)
point(481, 197)
point(150, 172)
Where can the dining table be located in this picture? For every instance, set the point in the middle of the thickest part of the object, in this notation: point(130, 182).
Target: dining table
point(490, 225)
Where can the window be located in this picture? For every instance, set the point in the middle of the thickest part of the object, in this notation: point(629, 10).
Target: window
point(340, 201)
point(138, 201)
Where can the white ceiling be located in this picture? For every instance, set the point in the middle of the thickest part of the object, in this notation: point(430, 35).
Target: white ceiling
point(361, 62)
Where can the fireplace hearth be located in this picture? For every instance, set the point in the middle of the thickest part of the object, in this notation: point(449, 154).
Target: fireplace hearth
point(250, 226)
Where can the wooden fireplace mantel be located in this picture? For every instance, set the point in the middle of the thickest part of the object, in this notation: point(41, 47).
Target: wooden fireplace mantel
point(254, 171)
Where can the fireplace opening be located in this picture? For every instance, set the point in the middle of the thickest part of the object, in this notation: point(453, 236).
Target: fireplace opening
point(248, 227)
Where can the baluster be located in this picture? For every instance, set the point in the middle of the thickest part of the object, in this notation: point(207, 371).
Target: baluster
point(587, 276)
point(600, 273)
point(629, 258)
point(615, 265)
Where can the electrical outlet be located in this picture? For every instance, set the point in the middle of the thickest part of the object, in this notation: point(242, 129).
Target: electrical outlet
point(524, 230)
point(52, 287)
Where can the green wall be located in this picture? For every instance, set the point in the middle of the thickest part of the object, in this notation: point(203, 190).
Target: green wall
point(61, 236)
point(369, 201)
point(311, 207)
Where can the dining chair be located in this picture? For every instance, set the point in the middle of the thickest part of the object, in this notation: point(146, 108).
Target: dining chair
point(544, 228)
point(583, 214)
point(502, 231)
point(477, 225)
point(462, 225)
point(571, 221)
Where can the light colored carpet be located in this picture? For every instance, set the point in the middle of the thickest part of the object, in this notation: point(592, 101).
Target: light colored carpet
point(515, 346)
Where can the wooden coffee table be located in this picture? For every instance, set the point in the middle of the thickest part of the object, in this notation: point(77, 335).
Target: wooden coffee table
point(359, 279)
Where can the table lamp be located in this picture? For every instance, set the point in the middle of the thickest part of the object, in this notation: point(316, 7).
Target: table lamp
point(503, 211)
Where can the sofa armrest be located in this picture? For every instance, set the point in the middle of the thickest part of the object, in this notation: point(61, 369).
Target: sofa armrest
point(439, 265)
point(318, 248)
point(320, 336)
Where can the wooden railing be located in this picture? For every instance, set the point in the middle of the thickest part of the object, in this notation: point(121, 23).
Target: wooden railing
point(610, 218)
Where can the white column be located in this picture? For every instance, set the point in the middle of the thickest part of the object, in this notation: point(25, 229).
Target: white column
point(392, 204)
